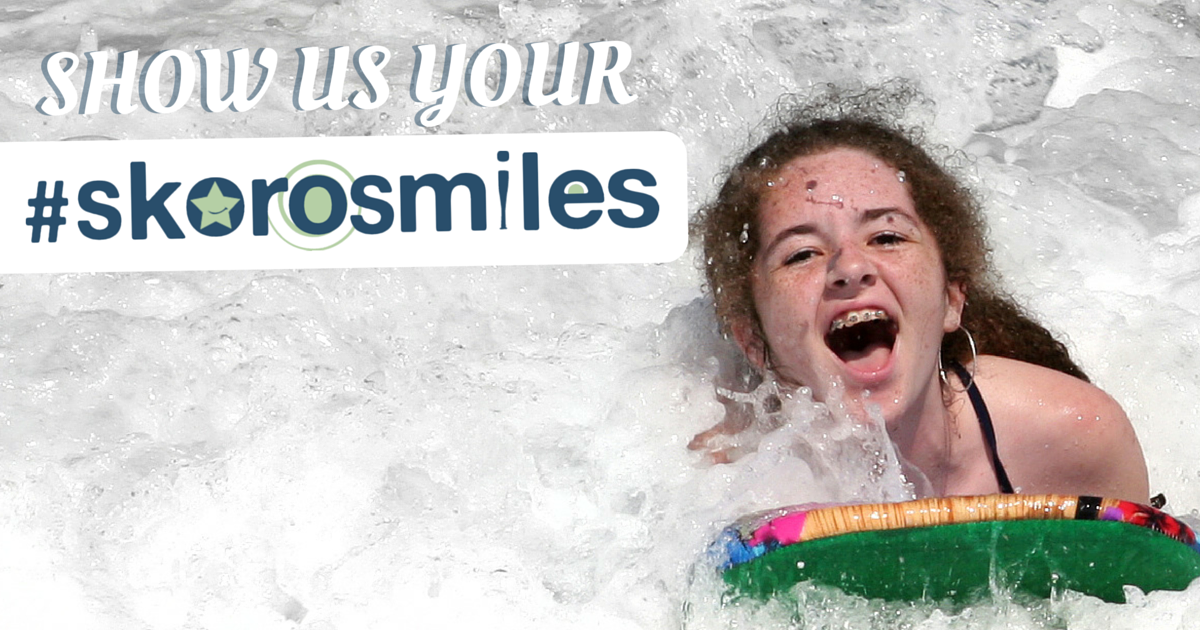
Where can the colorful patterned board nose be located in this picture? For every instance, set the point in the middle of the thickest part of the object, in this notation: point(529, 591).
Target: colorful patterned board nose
point(961, 549)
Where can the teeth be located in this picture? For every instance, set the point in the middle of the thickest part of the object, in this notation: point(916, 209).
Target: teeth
point(856, 317)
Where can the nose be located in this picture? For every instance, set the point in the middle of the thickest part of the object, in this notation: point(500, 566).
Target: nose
point(850, 271)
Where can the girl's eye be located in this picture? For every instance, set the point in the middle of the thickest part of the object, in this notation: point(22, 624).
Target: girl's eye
point(800, 256)
point(887, 238)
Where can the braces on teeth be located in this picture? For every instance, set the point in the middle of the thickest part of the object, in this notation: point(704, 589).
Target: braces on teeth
point(856, 318)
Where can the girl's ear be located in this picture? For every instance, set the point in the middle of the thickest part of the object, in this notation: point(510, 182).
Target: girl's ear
point(956, 299)
point(746, 334)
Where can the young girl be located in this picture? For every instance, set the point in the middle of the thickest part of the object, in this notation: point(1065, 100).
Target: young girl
point(840, 255)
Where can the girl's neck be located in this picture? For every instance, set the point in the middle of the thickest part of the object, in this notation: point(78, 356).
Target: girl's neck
point(925, 435)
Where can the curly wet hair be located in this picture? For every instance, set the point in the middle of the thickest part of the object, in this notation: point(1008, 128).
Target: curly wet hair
point(728, 226)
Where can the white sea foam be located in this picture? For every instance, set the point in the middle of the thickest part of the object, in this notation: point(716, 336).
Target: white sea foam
point(431, 448)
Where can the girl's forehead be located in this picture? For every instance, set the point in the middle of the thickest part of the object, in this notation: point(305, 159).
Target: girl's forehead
point(842, 161)
point(843, 179)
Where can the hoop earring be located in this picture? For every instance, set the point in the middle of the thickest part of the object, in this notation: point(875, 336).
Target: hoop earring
point(974, 362)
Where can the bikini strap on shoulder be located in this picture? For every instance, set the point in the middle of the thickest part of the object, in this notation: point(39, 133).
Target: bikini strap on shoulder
point(985, 425)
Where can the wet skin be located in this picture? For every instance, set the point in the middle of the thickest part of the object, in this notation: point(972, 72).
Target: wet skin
point(839, 235)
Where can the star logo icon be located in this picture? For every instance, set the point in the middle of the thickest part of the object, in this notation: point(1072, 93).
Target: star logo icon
point(215, 207)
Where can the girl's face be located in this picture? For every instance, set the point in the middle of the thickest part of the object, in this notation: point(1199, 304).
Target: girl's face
point(848, 284)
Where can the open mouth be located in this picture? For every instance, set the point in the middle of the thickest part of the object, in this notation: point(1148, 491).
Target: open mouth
point(863, 339)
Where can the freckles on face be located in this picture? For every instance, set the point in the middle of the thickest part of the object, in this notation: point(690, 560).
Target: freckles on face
point(848, 281)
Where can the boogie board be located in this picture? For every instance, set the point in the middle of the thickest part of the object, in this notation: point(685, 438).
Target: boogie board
point(961, 549)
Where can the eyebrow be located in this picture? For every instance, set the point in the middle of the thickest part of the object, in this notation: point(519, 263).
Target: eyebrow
point(875, 213)
point(866, 216)
point(795, 230)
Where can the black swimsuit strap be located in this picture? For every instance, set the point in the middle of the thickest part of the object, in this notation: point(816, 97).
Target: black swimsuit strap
point(985, 424)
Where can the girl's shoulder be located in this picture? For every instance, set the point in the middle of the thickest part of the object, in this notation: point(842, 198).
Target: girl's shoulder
point(1061, 434)
point(1037, 390)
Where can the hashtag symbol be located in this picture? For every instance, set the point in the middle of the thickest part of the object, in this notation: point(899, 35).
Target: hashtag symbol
point(39, 205)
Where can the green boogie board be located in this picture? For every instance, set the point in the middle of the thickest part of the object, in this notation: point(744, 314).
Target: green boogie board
point(962, 549)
